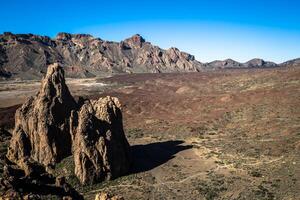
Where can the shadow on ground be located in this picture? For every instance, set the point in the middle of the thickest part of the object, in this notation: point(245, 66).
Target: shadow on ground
point(149, 156)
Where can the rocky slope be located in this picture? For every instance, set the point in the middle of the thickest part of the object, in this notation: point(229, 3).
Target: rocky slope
point(52, 126)
point(27, 56)
point(292, 63)
point(229, 63)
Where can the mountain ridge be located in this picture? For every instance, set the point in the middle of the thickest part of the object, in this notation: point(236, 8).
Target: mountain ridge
point(26, 56)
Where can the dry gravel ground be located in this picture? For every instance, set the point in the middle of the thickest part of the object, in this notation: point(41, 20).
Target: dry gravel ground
point(231, 134)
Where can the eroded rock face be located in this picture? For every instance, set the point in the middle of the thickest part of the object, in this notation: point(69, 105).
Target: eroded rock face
point(41, 124)
point(100, 148)
point(81, 55)
point(51, 126)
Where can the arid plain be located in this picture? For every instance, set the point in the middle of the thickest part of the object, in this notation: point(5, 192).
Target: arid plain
point(228, 134)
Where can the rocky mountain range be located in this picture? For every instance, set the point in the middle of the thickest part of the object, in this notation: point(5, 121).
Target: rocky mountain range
point(229, 63)
point(293, 63)
point(26, 56)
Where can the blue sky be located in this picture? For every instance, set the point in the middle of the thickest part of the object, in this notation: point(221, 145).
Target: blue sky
point(208, 29)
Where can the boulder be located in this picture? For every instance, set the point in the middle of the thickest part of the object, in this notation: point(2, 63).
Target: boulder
point(106, 196)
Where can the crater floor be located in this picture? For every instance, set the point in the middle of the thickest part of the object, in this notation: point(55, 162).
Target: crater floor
point(232, 134)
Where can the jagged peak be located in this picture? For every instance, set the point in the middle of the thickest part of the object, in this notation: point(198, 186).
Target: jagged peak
point(173, 49)
point(230, 60)
point(136, 37)
point(23, 36)
point(55, 68)
point(256, 59)
point(136, 40)
point(54, 85)
point(69, 36)
point(63, 35)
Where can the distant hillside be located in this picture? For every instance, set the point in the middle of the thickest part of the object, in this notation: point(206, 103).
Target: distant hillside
point(292, 63)
point(230, 64)
point(26, 56)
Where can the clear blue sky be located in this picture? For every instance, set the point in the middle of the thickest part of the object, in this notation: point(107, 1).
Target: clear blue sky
point(208, 29)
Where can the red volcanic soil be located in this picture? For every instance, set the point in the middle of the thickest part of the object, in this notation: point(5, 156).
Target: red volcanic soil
point(231, 134)
point(199, 97)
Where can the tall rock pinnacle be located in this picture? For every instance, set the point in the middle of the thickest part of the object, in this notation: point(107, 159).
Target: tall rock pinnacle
point(41, 124)
point(51, 126)
point(100, 148)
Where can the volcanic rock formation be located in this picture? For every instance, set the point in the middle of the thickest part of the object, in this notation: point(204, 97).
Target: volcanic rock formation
point(52, 126)
point(101, 150)
point(41, 124)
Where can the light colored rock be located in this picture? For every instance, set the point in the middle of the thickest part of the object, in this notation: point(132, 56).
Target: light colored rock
point(100, 148)
point(41, 124)
point(106, 196)
point(52, 126)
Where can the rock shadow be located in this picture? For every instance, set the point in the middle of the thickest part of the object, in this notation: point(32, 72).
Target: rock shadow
point(148, 156)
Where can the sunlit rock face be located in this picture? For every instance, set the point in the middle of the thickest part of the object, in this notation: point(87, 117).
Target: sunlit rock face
point(51, 126)
point(41, 124)
point(100, 148)
point(26, 56)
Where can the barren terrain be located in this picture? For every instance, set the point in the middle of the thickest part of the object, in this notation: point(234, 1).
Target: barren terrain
point(232, 134)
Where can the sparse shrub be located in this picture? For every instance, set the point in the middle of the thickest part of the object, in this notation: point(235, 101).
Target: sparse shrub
point(255, 173)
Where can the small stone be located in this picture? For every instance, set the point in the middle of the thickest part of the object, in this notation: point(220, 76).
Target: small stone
point(106, 196)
